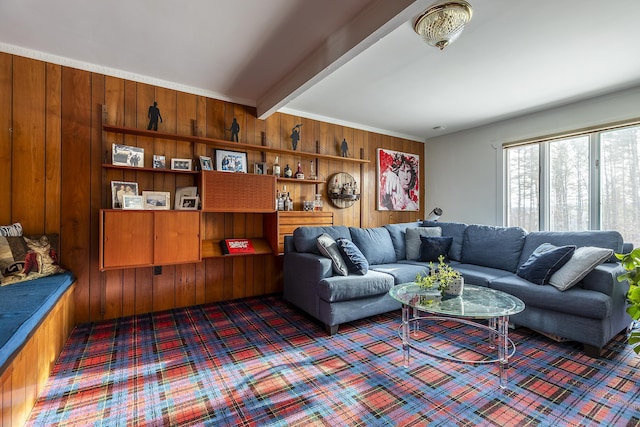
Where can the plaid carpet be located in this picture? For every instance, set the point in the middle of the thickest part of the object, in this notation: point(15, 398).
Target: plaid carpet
point(260, 362)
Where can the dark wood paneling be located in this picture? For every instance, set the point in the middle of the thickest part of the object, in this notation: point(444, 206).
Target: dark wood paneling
point(6, 130)
point(58, 146)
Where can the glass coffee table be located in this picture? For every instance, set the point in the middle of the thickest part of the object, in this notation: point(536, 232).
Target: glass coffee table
point(475, 303)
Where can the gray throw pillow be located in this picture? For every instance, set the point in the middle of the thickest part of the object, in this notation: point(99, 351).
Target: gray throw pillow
point(413, 242)
point(584, 260)
point(329, 248)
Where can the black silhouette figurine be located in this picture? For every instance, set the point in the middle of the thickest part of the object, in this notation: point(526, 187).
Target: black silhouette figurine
point(235, 130)
point(295, 135)
point(345, 148)
point(154, 115)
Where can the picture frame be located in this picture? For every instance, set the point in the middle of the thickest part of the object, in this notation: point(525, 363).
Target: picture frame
point(119, 189)
point(182, 192)
point(205, 163)
point(260, 168)
point(231, 161)
point(126, 155)
point(398, 181)
point(189, 203)
point(132, 202)
point(159, 162)
point(156, 200)
point(181, 164)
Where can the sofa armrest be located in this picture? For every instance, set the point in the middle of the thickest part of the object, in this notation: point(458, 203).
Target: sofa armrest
point(604, 279)
point(301, 273)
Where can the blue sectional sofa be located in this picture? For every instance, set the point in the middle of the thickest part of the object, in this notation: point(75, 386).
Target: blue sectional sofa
point(591, 312)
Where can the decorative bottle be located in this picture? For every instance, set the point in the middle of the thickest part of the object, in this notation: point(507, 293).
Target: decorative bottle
point(287, 171)
point(276, 167)
point(299, 173)
point(313, 170)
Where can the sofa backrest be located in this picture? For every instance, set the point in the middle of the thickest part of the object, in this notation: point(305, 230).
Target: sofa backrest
point(305, 238)
point(598, 238)
point(451, 229)
point(375, 244)
point(397, 234)
point(492, 246)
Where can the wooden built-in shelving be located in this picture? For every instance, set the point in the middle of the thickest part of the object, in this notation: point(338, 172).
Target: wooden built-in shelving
point(137, 169)
point(225, 144)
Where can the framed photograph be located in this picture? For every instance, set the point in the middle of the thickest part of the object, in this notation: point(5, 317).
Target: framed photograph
point(182, 192)
point(125, 155)
point(132, 202)
point(398, 181)
point(231, 161)
point(118, 191)
point(158, 200)
point(181, 164)
point(205, 163)
point(189, 203)
point(260, 168)
point(159, 162)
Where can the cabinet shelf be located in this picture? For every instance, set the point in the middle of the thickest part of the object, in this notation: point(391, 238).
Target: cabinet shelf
point(212, 249)
point(157, 170)
point(302, 181)
point(225, 144)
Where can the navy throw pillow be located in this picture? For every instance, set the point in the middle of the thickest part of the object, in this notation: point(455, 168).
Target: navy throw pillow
point(431, 248)
point(544, 261)
point(353, 257)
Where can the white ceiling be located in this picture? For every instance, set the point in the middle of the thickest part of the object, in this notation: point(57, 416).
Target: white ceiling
point(353, 62)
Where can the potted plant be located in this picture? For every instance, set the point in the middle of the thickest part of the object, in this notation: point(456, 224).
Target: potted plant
point(443, 278)
point(631, 263)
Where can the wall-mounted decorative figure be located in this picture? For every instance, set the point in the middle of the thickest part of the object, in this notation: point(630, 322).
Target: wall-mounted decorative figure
point(344, 147)
point(295, 135)
point(235, 130)
point(154, 115)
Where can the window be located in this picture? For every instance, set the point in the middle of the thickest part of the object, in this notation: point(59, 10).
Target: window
point(590, 180)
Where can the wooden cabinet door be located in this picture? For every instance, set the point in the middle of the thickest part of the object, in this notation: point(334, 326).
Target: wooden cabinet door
point(177, 237)
point(127, 239)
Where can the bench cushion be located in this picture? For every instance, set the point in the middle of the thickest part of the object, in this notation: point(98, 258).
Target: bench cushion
point(23, 306)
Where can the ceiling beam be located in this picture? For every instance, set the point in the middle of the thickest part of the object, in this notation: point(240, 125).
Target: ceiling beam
point(373, 23)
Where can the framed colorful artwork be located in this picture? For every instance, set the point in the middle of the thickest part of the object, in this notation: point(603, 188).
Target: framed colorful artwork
point(398, 181)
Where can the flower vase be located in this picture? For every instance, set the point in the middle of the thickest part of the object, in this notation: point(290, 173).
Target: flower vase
point(455, 288)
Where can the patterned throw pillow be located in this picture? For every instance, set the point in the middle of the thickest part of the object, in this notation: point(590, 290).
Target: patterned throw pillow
point(23, 258)
point(13, 230)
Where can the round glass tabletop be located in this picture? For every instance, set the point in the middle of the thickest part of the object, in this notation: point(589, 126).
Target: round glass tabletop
point(476, 302)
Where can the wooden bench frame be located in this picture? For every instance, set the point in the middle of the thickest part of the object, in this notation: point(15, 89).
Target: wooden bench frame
point(24, 377)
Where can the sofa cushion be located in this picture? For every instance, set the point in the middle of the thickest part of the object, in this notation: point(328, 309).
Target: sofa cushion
point(451, 229)
point(544, 261)
point(305, 238)
point(397, 232)
point(479, 275)
point(584, 260)
point(599, 238)
point(353, 257)
point(575, 301)
point(432, 248)
point(412, 239)
point(329, 248)
point(374, 243)
point(344, 288)
point(491, 246)
point(402, 271)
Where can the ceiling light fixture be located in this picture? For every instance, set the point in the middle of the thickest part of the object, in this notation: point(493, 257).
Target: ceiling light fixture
point(442, 23)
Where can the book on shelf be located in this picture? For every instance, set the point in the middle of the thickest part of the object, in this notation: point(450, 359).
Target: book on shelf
point(237, 246)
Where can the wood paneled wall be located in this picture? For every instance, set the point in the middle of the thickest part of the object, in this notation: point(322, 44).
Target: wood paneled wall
point(52, 148)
